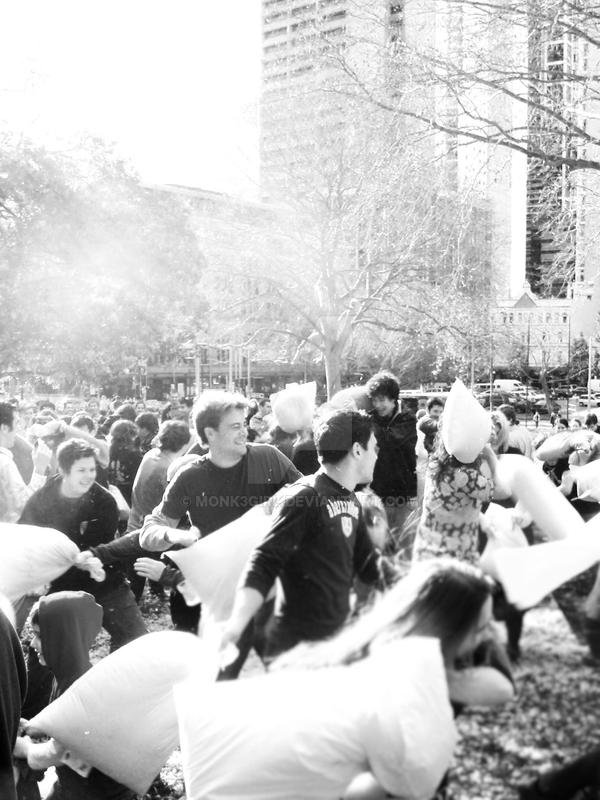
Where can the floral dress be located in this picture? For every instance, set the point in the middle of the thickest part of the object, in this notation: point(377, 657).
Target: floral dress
point(454, 494)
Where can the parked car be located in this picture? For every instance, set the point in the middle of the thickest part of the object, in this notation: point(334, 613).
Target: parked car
point(562, 391)
point(542, 407)
point(498, 398)
point(583, 399)
point(522, 404)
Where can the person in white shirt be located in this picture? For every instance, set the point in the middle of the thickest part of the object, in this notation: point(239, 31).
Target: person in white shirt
point(14, 492)
point(517, 436)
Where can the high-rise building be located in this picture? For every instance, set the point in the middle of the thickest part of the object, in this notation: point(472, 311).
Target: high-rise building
point(563, 224)
point(312, 46)
point(300, 42)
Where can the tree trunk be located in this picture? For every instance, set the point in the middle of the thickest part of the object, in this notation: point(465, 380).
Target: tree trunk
point(546, 388)
point(333, 368)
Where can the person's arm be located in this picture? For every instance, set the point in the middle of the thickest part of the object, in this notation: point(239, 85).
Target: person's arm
point(367, 557)
point(100, 445)
point(555, 447)
point(150, 568)
point(39, 755)
point(57, 427)
point(123, 549)
point(291, 520)
point(159, 531)
point(247, 603)
point(17, 492)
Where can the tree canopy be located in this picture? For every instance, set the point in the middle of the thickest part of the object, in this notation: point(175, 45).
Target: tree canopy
point(97, 270)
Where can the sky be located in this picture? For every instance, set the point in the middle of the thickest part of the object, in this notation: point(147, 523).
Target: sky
point(175, 84)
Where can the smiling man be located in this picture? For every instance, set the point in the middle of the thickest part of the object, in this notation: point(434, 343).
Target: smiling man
point(73, 503)
point(215, 489)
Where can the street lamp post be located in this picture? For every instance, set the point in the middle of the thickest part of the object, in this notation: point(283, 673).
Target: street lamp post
point(589, 382)
point(491, 370)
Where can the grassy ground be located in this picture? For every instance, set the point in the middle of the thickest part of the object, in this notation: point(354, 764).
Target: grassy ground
point(553, 718)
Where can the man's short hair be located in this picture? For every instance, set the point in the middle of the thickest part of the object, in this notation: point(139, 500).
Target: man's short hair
point(383, 384)
point(591, 419)
point(148, 421)
point(335, 435)
point(7, 414)
point(434, 401)
point(82, 420)
point(71, 451)
point(509, 413)
point(172, 435)
point(126, 411)
point(212, 406)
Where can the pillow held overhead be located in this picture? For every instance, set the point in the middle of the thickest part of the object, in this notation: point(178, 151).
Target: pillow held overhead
point(466, 425)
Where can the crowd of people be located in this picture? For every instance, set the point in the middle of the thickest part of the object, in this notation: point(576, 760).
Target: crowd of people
point(366, 600)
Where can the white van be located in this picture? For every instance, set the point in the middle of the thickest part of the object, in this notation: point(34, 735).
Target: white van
point(509, 385)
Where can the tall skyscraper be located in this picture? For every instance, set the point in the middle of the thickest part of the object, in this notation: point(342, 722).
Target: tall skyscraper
point(315, 53)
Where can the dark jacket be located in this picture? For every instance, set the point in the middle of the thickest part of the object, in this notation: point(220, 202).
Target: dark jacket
point(395, 470)
point(88, 521)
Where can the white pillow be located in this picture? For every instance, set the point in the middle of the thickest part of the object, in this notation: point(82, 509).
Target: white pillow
point(466, 425)
point(32, 557)
point(213, 565)
point(120, 715)
point(294, 406)
point(588, 481)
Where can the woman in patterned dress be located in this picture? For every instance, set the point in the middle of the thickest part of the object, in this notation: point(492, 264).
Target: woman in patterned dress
point(453, 497)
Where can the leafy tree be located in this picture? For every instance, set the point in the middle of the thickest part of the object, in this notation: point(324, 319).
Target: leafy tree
point(362, 243)
point(470, 69)
point(97, 270)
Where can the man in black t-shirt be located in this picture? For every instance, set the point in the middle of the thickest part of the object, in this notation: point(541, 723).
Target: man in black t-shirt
point(317, 543)
point(215, 489)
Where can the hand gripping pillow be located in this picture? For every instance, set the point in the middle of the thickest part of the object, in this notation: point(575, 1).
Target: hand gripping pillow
point(588, 481)
point(120, 715)
point(213, 565)
point(32, 557)
point(466, 425)
point(549, 509)
point(294, 406)
point(502, 531)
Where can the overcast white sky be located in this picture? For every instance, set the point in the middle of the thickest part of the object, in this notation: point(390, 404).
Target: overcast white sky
point(174, 83)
